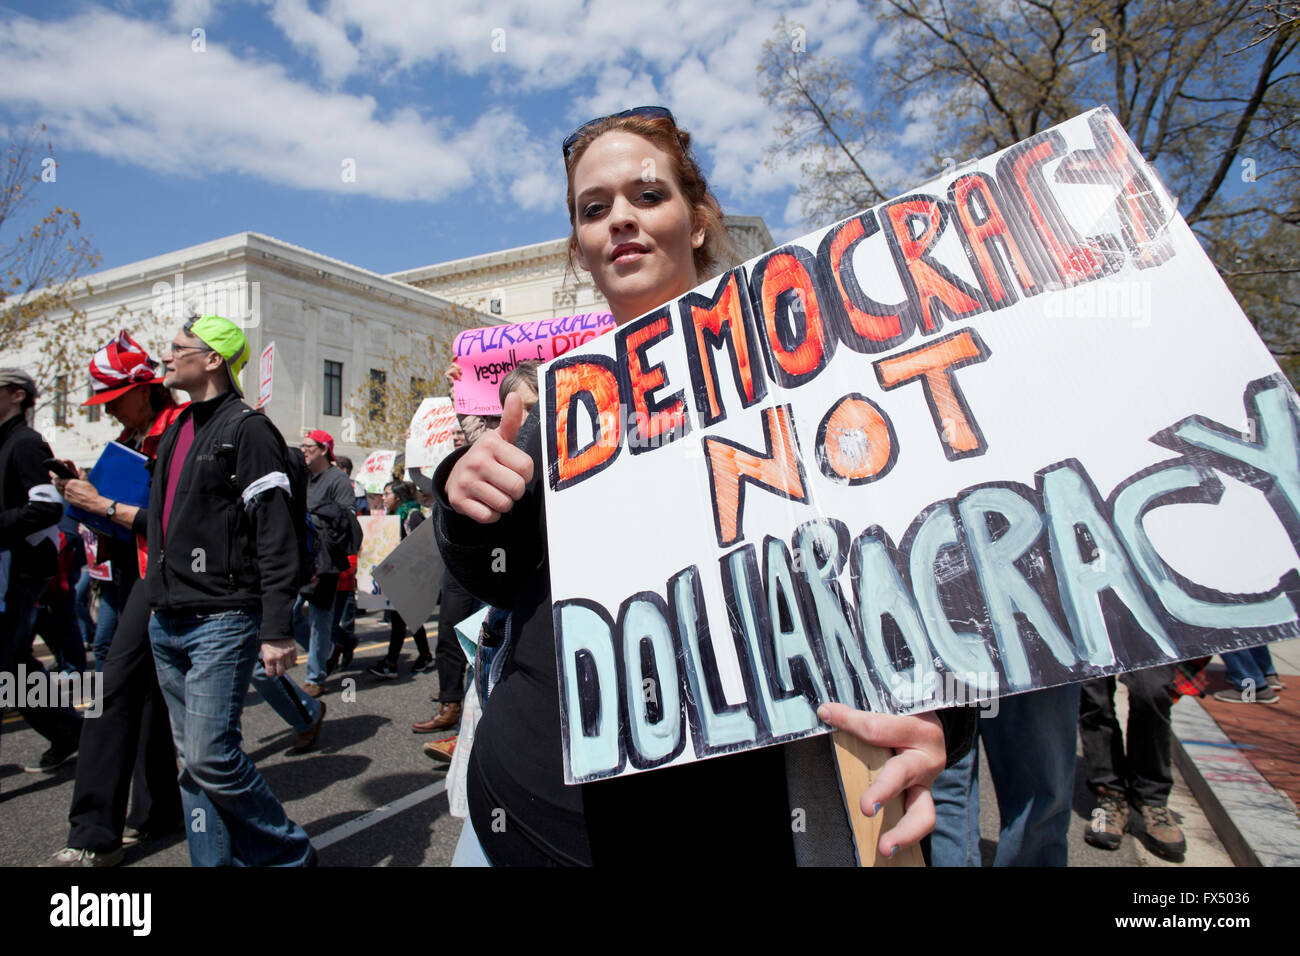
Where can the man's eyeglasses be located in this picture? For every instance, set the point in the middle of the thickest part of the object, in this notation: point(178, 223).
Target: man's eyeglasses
point(174, 349)
point(653, 112)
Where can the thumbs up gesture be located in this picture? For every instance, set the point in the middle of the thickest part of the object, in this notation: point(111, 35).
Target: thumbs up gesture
point(486, 483)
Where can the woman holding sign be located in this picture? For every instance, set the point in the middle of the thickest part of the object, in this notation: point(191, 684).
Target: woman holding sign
point(647, 229)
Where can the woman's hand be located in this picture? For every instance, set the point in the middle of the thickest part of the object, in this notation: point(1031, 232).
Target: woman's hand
point(492, 476)
point(452, 374)
point(919, 756)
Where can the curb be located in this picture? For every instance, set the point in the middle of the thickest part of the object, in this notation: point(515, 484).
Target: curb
point(1257, 825)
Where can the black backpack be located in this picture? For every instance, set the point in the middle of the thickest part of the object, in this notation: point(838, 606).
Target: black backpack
point(296, 470)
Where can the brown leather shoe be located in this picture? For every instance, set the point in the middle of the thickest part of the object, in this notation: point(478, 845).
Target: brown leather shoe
point(447, 718)
point(312, 690)
point(307, 739)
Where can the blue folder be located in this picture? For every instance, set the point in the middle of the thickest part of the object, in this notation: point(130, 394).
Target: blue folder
point(120, 474)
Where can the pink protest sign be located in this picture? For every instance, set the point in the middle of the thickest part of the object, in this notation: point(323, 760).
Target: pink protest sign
point(487, 355)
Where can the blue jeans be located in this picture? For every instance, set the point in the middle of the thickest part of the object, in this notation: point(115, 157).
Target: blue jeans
point(287, 699)
point(1030, 746)
point(312, 626)
point(232, 817)
point(85, 623)
point(1250, 664)
point(110, 606)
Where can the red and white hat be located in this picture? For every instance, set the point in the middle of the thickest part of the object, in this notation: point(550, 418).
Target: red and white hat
point(118, 367)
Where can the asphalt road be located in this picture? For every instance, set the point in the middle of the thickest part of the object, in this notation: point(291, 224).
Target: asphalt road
point(368, 796)
point(366, 759)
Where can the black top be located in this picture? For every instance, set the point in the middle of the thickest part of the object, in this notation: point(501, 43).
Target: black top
point(728, 810)
point(23, 453)
point(230, 544)
point(731, 809)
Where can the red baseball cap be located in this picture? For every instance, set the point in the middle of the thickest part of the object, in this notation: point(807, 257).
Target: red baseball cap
point(118, 367)
point(323, 438)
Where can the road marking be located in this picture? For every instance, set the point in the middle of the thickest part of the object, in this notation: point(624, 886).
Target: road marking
point(378, 815)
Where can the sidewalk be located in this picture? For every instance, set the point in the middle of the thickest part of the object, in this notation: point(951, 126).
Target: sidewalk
point(1242, 761)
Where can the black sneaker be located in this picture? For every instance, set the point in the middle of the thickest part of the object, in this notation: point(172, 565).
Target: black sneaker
point(382, 669)
point(52, 759)
point(423, 664)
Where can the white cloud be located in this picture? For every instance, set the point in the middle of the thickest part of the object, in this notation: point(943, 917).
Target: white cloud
point(187, 14)
point(146, 98)
point(318, 36)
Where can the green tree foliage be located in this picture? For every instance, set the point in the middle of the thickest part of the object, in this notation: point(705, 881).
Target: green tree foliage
point(39, 267)
point(1207, 89)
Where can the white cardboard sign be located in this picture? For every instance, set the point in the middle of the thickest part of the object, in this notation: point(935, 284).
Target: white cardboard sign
point(1005, 432)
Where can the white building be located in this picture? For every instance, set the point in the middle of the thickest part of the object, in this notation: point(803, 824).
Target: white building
point(333, 325)
point(537, 282)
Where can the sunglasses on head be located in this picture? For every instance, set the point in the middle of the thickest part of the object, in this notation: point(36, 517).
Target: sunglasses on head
point(652, 112)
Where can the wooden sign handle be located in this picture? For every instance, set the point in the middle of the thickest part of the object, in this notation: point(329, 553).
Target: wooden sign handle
point(858, 765)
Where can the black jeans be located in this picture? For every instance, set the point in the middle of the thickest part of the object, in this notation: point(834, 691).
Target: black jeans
point(130, 742)
point(397, 637)
point(1145, 772)
point(59, 725)
point(456, 605)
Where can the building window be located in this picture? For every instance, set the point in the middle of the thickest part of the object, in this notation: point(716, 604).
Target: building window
point(93, 412)
point(61, 401)
point(333, 388)
point(494, 303)
point(378, 379)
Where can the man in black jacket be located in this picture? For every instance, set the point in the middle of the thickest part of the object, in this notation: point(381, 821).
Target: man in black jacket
point(223, 574)
point(29, 516)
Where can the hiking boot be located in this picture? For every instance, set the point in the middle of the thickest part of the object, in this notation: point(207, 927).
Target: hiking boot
point(1164, 836)
point(447, 718)
point(1251, 695)
point(72, 856)
point(1109, 820)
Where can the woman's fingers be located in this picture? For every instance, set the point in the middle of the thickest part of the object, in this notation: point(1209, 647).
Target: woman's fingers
point(916, 822)
point(899, 773)
point(922, 731)
point(919, 756)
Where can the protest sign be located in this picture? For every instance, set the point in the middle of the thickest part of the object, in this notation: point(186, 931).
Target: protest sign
point(99, 570)
point(430, 437)
point(265, 375)
point(381, 535)
point(1005, 432)
point(409, 576)
point(377, 471)
point(487, 355)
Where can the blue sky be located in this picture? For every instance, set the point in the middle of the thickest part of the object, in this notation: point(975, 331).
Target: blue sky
point(452, 112)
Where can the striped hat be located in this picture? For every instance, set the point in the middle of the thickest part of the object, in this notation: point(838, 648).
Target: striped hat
point(118, 367)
